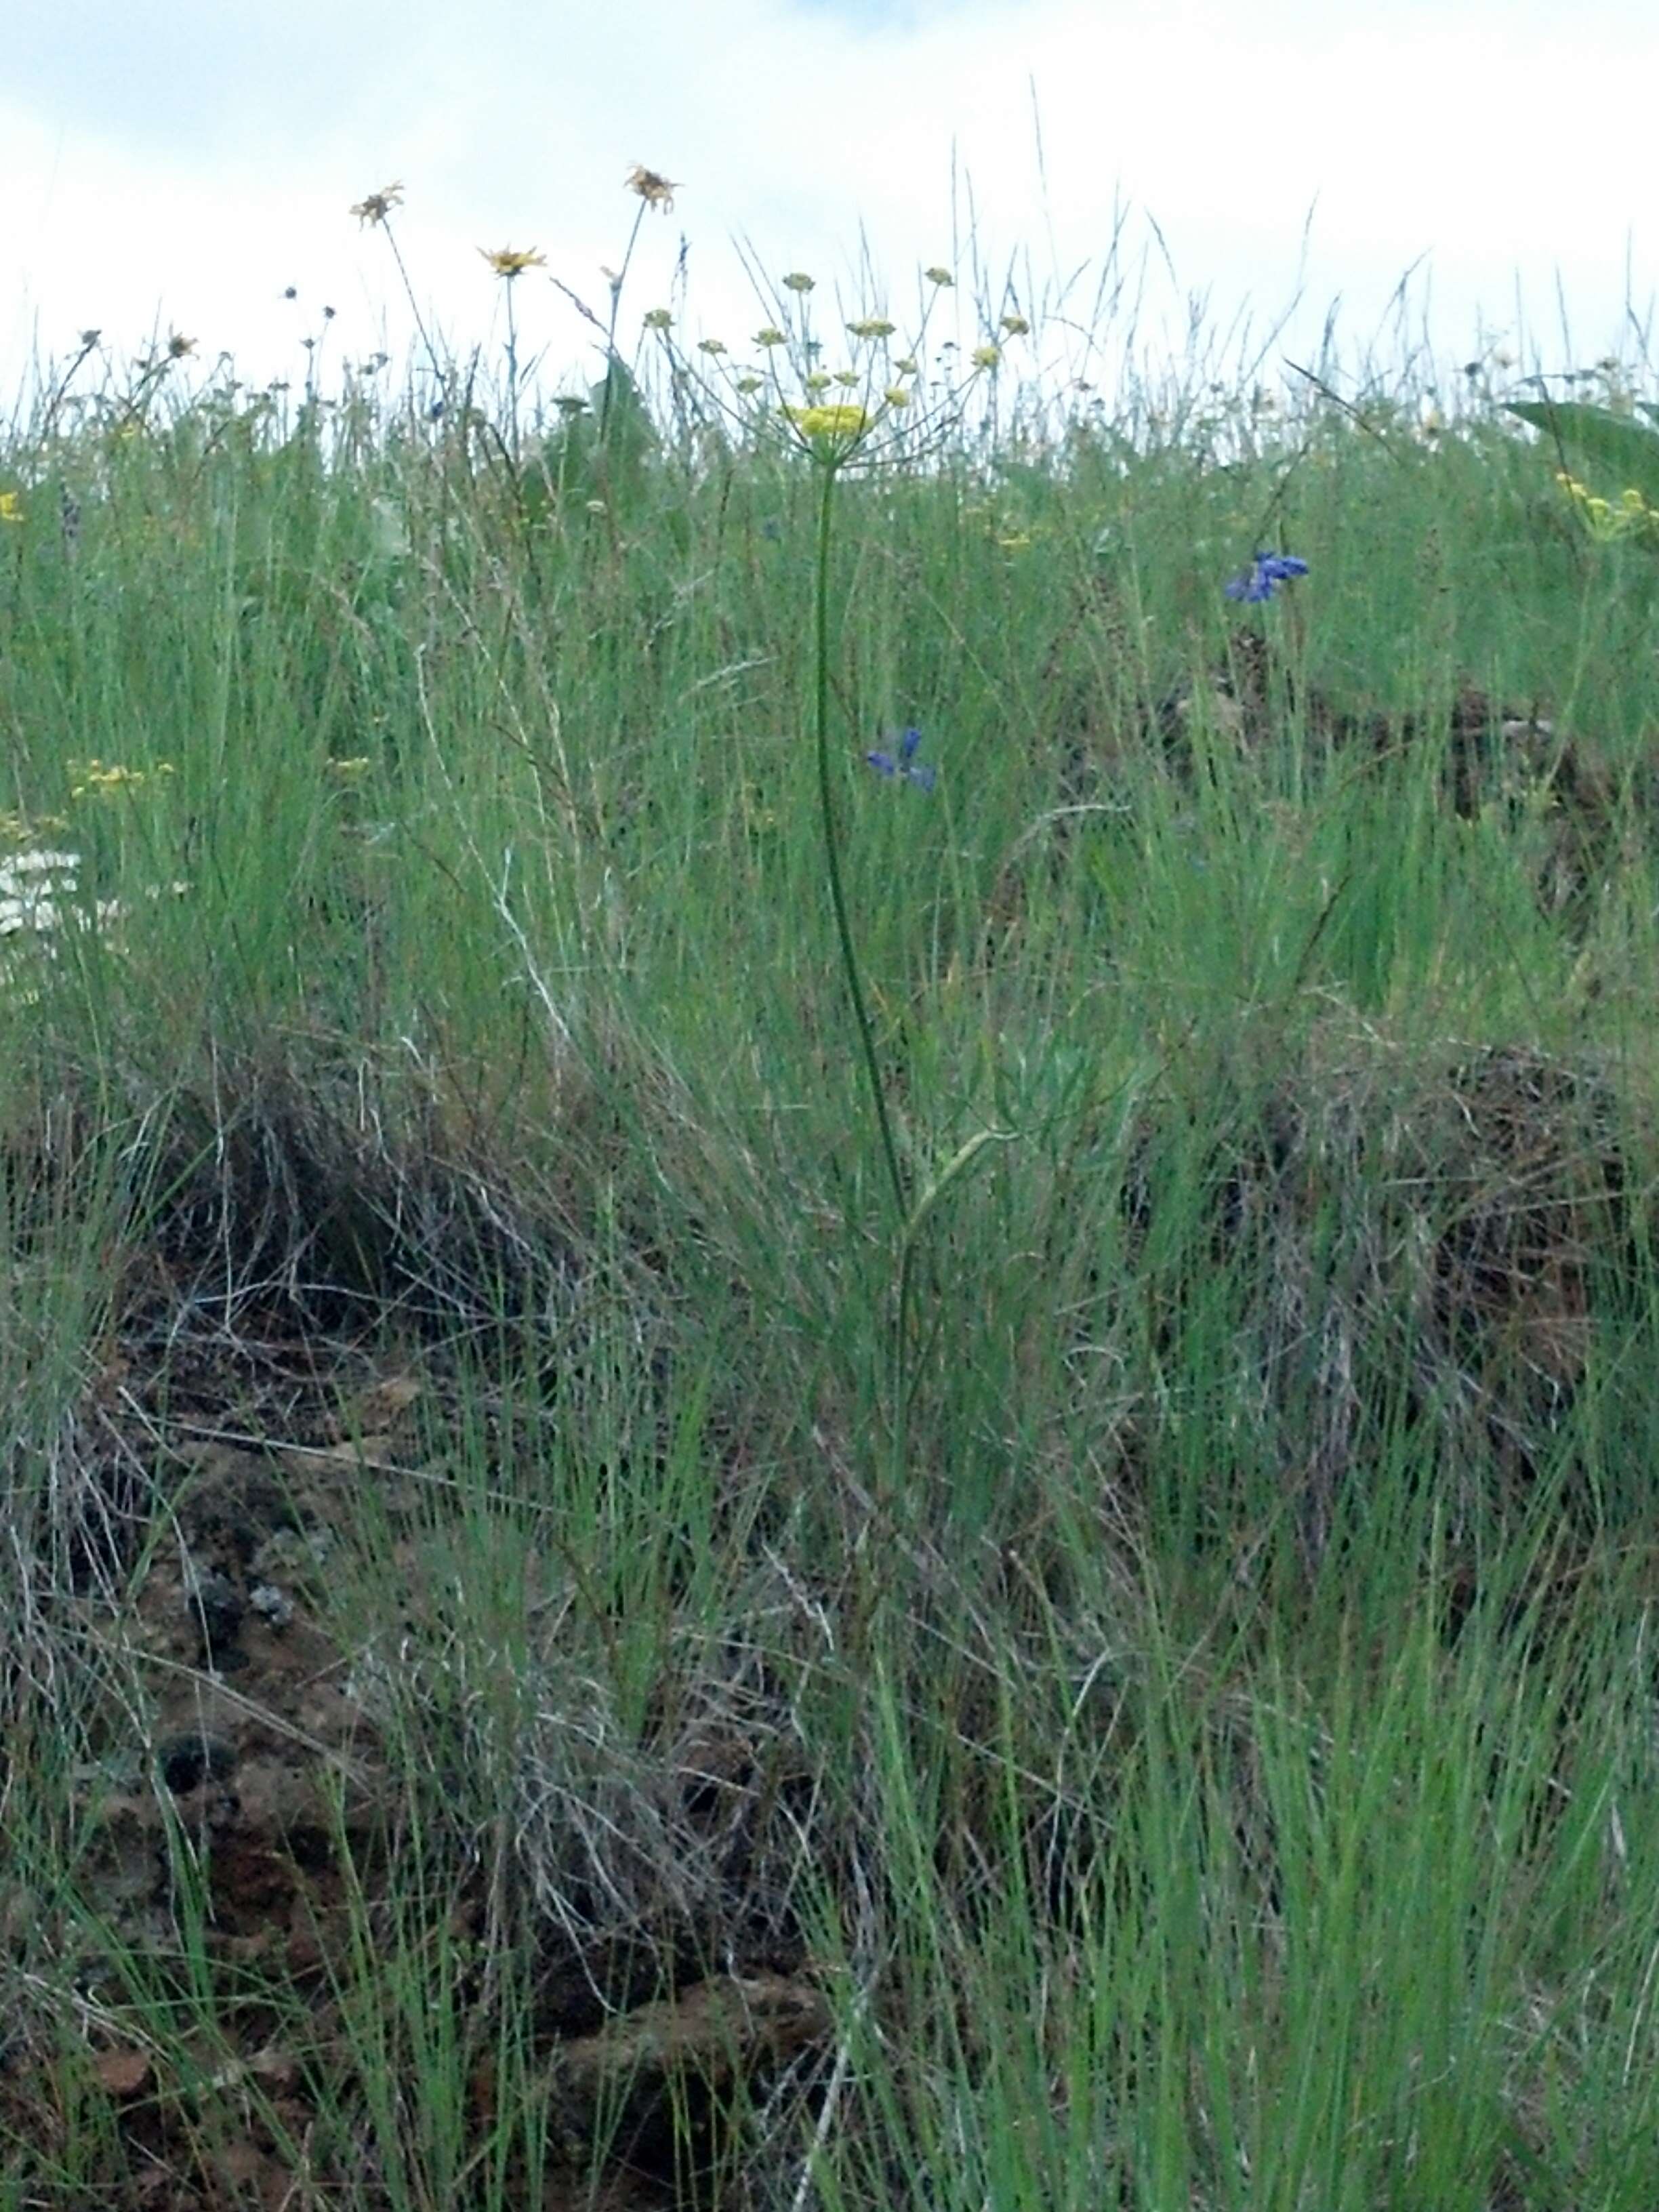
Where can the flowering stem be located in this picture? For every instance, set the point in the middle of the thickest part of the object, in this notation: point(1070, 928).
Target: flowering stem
point(512, 375)
point(831, 850)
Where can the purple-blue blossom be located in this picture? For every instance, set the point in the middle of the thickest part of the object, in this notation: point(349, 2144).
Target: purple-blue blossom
point(905, 763)
point(1269, 569)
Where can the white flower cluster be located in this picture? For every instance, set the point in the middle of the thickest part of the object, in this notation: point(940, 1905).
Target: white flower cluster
point(40, 897)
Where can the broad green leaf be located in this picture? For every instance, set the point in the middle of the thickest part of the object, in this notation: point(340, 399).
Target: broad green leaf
point(1629, 452)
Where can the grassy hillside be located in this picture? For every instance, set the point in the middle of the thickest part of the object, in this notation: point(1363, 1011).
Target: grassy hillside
point(614, 1592)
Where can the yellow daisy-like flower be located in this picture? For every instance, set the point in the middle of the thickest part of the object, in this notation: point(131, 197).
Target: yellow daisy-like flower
point(711, 345)
point(768, 336)
point(799, 281)
point(872, 326)
point(11, 506)
point(839, 423)
point(896, 396)
point(657, 192)
point(508, 261)
point(987, 356)
point(939, 276)
point(658, 319)
point(375, 206)
point(1015, 326)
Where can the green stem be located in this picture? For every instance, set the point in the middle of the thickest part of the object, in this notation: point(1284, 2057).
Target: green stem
point(900, 1395)
point(832, 853)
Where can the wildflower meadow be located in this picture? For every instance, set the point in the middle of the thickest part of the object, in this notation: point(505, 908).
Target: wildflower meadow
point(827, 1309)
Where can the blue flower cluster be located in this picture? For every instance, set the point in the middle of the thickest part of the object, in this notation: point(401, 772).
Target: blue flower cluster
point(904, 763)
point(1269, 568)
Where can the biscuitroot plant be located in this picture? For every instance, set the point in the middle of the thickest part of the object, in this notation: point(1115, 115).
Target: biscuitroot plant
point(834, 437)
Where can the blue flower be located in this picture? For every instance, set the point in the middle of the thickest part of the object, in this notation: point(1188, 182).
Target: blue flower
point(922, 773)
point(1270, 568)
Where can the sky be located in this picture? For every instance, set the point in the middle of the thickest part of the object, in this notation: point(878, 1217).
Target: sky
point(179, 167)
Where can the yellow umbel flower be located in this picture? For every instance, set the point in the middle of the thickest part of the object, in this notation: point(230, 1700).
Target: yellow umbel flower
point(711, 345)
point(819, 381)
point(799, 281)
point(1015, 326)
point(508, 261)
point(768, 336)
point(657, 192)
point(905, 365)
point(896, 396)
point(841, 425)
point(872, 326)
point(375, 206)
point(939, 277)
point(658, 319)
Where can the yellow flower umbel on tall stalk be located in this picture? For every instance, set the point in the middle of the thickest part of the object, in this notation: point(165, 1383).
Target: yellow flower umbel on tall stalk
point(510, 263)
point(373, 212)
point(652, 190)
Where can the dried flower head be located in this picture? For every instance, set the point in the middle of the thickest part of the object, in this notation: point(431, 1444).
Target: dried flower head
point(936, 276)
point(509, 262)
point(711, 345)
point(178, 345)
point(375, 206)
point(658, 319)
point(657, 192)
point(905, 365)
point(799, 281)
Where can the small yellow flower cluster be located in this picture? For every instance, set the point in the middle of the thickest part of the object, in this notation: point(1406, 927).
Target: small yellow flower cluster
point(840, 425)
point(98, 780)
point(510, 261)
point(11, 506)
point(348, 768)
point(1632, 516)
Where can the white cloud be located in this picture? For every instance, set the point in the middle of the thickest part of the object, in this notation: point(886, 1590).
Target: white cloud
point(197, 168)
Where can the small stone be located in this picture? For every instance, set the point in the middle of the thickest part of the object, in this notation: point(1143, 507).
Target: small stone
point(271, 1604)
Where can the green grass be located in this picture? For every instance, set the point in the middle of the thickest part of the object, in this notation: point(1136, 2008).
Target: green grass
point(1202, 1752)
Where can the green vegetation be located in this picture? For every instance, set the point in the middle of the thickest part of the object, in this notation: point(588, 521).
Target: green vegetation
point(558, 1644)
